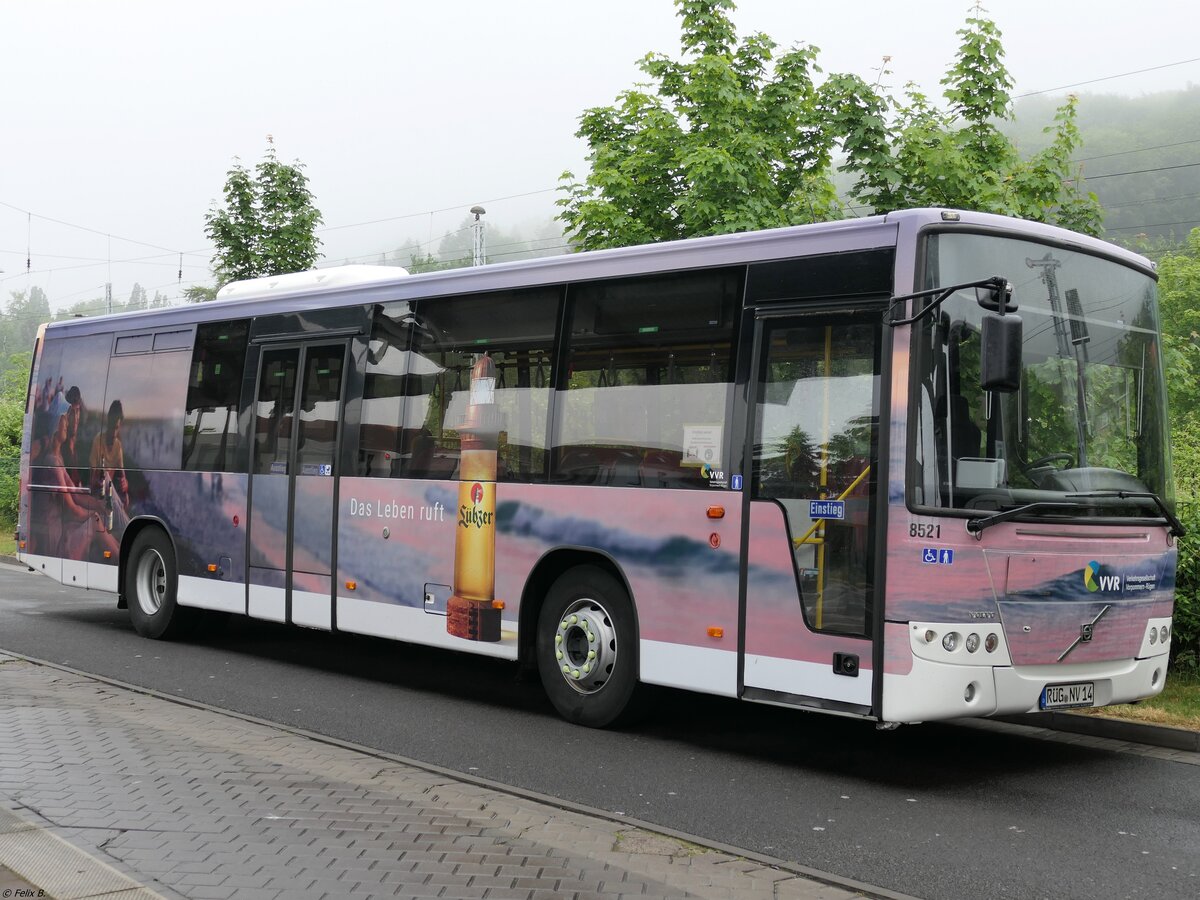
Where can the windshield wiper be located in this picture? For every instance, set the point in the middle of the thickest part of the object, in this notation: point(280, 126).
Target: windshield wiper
point(1177, 528)
point(976, 526)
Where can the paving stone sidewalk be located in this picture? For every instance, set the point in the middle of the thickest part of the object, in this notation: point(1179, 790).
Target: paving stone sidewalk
point(105, 791)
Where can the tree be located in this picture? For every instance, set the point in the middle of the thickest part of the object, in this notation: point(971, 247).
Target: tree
point(14, 381)
point(25, 311)
point(910, 153)
point(268, 223)
point(732, 138)
point(1178, 289)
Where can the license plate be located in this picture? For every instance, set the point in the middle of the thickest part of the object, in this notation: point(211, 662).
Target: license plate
point(1066, 696)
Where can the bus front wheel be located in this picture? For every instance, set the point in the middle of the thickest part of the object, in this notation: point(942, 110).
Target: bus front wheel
point(151, 580)
point(587, 647)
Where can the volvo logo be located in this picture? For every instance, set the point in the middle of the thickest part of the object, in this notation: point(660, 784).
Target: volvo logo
point(1086, 631)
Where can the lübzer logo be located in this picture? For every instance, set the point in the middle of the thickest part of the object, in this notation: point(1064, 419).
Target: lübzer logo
point(473, 515)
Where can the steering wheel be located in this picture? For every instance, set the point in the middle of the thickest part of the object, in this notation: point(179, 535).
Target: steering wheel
point(1053, 457)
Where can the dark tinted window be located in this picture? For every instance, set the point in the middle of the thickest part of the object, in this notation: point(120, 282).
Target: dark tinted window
point(386, 377)
point(648, 383)
point(855, 274)
point(274, 411)
point(137, 343)
point(210, 430)
point(320, 410)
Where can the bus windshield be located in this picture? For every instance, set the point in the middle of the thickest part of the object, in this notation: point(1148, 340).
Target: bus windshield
point(1089, 418)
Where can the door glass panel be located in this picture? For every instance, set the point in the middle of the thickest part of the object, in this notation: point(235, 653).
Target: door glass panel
point(816, 431)
point(274, 411)
point(320, 410)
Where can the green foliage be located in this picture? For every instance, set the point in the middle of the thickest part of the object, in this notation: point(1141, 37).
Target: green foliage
point(1185, 639)
point(267, 225)
point(733, 138)
point(908, 153)
point(24, 312)
point(14, 381)
point(1179, 306)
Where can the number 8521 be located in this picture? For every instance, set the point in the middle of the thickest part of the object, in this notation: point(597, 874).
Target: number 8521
point(923, 530)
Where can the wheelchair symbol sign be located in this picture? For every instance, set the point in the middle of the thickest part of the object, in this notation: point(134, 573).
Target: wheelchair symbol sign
point(936, 556)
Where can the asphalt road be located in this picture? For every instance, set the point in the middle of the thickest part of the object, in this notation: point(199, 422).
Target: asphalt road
point(936, 811)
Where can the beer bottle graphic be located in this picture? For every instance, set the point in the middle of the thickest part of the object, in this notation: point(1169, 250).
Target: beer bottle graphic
point(473, 611)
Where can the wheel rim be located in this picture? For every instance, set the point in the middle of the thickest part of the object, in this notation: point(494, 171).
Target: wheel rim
point(151, 582)
point(585, 646)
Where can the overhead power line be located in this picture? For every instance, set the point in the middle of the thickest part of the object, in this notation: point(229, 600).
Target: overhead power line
point(1063, 87)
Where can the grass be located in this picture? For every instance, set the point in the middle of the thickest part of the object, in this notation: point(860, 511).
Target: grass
point(8, 543)
point(1178, 705)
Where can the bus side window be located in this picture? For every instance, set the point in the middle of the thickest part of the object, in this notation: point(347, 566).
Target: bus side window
point(210, 429)
point(649, 372)
point(386, 374)
point(418, 379)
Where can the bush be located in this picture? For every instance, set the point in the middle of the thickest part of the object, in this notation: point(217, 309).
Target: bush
point(1185, 640)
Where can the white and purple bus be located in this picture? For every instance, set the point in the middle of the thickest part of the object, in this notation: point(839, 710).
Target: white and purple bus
point(907, 467)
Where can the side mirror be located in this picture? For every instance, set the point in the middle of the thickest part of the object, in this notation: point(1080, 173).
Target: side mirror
point(1000, 345)
point(992, 295)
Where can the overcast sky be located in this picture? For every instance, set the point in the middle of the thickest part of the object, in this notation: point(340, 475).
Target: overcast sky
point(123, 116)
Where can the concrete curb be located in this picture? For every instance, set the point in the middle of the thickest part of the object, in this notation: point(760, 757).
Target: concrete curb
point(60, 869)
point(1113, 729)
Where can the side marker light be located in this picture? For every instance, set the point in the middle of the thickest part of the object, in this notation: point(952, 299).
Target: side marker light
point(351, 585)
point(716, 631)
point(716, 512)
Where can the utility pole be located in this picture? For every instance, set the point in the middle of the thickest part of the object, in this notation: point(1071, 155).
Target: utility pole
point(108, 298)
point(477, 257)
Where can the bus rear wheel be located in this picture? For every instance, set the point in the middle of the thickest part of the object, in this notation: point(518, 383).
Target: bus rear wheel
point(587, 647)
point(151, 581)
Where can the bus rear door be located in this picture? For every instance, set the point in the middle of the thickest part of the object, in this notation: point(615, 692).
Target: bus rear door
point(812, 510)
point(297, 433)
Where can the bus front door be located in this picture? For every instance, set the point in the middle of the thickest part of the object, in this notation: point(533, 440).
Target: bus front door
point(810, 557)
point(297, 421)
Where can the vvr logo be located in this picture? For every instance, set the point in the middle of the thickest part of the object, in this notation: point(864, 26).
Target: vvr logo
point(1094, 581)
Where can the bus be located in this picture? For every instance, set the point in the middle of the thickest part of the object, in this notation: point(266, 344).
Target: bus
point(906, 467)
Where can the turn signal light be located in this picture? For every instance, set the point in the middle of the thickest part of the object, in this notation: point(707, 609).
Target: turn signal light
point(716, 512)
point(22, 545)
point(212, 567)
point(716, 631)
point(497, 604)
point(351, 585)
point(107, 554)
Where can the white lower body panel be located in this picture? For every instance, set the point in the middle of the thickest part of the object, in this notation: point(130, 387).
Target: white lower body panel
point(704, 669)
point(810, 679)
point(408, 624)
point(268, 603)
point(206, 593)
point(933, 690)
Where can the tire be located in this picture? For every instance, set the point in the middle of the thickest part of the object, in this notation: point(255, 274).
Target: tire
point(151, 582)
point(587, 648)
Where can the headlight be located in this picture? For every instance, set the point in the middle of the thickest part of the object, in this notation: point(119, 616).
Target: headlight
point(972, 643)
point(991, 642)
point(950, 642)
point(1163, 634)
